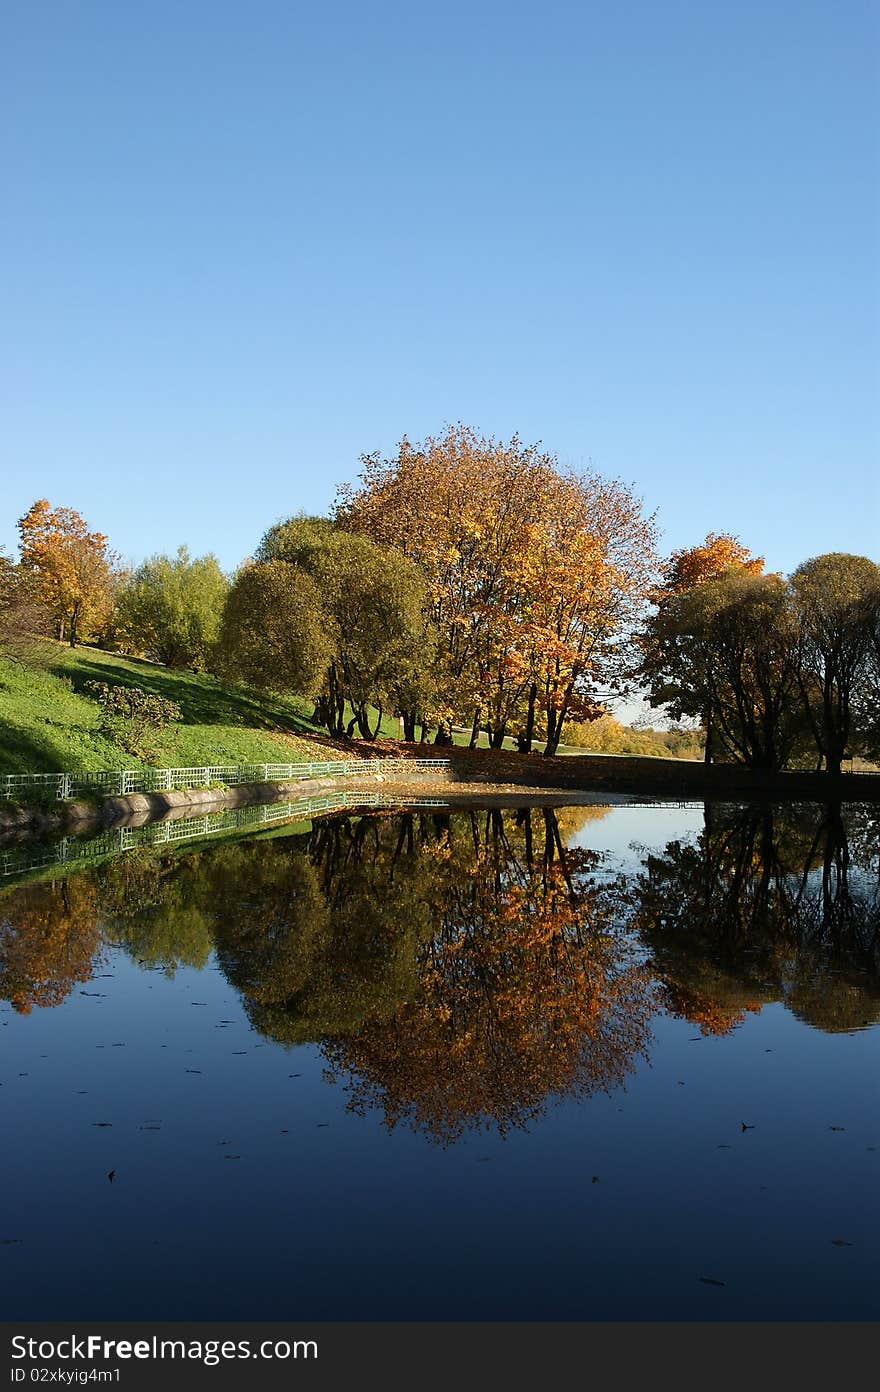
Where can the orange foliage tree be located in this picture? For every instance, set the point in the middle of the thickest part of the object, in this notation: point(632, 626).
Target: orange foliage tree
point(693, 565)
point(675, 662)
point(73, 568)
point(534, 574)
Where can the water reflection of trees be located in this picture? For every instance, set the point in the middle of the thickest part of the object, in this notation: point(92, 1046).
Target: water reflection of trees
point(50, 939)
point(465, 970)
point(523, 991)
point(766, 904)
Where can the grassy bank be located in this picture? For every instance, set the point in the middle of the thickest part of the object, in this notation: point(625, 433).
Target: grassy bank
point(47, 723)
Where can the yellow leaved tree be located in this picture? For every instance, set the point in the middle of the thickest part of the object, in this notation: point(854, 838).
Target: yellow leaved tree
point(73, 569)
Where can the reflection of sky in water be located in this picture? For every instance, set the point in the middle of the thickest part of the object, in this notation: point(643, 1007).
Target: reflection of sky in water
point(245, 1188)
point(624, 827)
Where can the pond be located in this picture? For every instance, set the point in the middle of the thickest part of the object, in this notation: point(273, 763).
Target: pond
point(576, 1063)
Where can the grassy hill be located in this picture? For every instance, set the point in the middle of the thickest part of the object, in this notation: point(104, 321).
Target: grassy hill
point(48, 724)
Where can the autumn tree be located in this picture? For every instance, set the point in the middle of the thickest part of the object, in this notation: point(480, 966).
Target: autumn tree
point(720, 552)
point(171, 607)
point(587, 572)
point(732, 651)
point(532, 574)
point(73, 569)
point(675, 663)
point(457, 507)
point(837, 600)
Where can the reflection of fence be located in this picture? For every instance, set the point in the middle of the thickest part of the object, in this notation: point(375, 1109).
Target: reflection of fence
point(121, 781)
point(68, 850)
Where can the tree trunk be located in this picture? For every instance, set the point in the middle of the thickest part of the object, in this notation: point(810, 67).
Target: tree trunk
point(526, 739)
point(409, 726)
point(335, 704)
point(554, 729)
point(74, 616)
point(475, 730)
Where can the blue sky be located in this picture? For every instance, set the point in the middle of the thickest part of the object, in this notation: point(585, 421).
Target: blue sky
point(241, 244)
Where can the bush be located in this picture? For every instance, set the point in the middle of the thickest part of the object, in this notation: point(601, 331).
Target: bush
point(130, 716)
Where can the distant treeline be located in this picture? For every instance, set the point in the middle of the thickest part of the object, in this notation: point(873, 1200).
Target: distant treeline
point(610, 736)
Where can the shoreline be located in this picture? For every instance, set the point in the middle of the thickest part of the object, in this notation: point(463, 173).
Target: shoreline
point(475, 778)
point(682, 779)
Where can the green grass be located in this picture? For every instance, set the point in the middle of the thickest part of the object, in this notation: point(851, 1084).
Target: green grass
point(47, 724)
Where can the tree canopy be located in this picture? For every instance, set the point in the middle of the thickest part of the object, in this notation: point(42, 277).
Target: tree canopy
point(837, 600)
point(767, 666)
point(349, 625)
point(534, 575)
point(171, 608)
point(73, 570)
point(726, 650)
point(273, 635)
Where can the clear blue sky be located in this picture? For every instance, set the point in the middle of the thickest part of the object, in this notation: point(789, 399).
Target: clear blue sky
point(241, 244)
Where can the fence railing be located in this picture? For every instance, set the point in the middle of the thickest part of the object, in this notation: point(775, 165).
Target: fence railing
point(120, 781)
point(70, 850)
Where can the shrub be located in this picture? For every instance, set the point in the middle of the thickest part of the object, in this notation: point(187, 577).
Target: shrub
point(130, 716)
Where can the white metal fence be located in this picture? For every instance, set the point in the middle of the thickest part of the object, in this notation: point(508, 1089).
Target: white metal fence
point(120, 781)
point(74, 850)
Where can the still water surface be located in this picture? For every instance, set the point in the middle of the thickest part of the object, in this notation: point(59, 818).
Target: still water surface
point(590, 1063)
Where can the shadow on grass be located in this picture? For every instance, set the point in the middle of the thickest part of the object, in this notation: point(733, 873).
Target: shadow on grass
point(201, 701)
point(25, 751)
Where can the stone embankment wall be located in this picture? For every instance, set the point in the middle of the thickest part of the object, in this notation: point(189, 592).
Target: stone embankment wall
point(143, 807)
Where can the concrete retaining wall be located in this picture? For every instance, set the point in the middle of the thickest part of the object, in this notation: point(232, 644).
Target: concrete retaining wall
point(136, 808)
